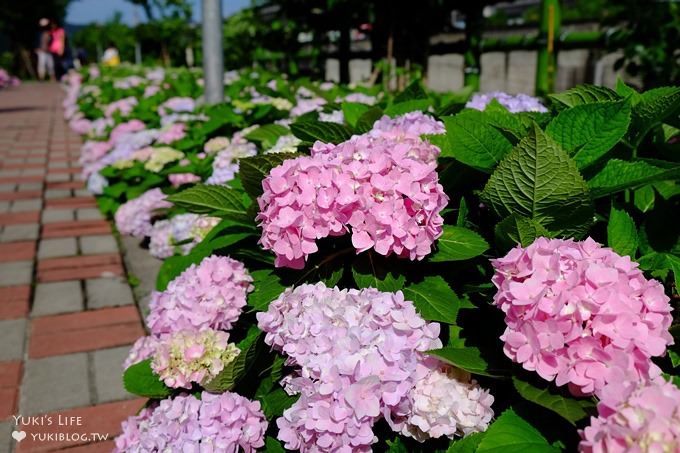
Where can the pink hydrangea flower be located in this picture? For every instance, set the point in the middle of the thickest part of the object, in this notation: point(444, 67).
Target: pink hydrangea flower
point(177, 104)
point(171, 133)
point(409, 125)
point(635, 417)
point(211, 294)
point(581, 314)
point(514, 103)
point(123, 106)
point(384, 189)
point(186, 357)
point(144, 348)
point(225, 165)
point(124, 128)
point(93, 150)
point(134, 217)
point(226, 422)
point(446, 402)
point(178, 179)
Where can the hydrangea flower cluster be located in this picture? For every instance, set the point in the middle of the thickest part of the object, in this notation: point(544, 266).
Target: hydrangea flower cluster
point(123, 107)
point(226, 422)
point(167, 234)
point(359, 97)
point(307, 105)
point(225, 165)
point(144, 348)
point(162, 156)
point(134, 217)
point(644, 417)
point(211, 294)
point(125, 128)
point(178, 179)
point(285, 144)
point(171, 133)
point(580, 314)
point(514, 103)
point(336, 116)
point(96, 183)
point(385, 189)
point(177, 104)
point(360, 353)
point(409, 125)
point(187, 356)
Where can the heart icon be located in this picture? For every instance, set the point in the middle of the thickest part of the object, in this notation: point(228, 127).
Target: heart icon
point(19, 435)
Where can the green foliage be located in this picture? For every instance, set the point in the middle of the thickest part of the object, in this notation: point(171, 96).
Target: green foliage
point(469, 359)
point(267, 134)
point(585, 94)
point(539, 181)
point(474, 143)
point(618, 175)
point(311, 131)
point(267, 288)
point(238, 368)
point(221, 201)
point(569, 408)
point(139, 379)
point(622, 234)
point(510, 433)
point(434, 300)
point(458, 243)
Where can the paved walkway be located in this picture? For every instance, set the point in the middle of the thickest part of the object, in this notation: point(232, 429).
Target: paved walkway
point(67, 315)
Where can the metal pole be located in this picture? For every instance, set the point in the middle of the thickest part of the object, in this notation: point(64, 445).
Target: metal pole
point(213, 58)
point(138, 53)
point(546, 67)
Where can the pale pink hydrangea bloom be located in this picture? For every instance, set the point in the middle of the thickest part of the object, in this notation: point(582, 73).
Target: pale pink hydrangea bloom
point(177, 104)
point(144, 348)
point(225, 165)
point(381, 187)
point(211, 294)
point(185, 357)
point(171, 133)
point(409, 125)
point(151, 90)
point(93, 150)
point(581, 314)
point(635, 417)
point(160, 240)
point(226, 422)
point(134, 217)
point(123, 106)
point(361, 357)
point(124, 128)
point(166, 234)
point(178, 179)
point(446, 402)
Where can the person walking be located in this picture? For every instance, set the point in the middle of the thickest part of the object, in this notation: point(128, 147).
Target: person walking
point(45, 60)
point(57, 47)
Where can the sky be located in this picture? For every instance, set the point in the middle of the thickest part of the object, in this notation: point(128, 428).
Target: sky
point(85, 11)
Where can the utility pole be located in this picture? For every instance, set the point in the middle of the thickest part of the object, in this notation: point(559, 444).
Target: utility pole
point(213, 58)
point(546, 66)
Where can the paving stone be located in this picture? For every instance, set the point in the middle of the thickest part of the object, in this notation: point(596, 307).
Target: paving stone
point(57, 215)
point(57, 193)
point(12, 333)
point(33, 171)
point(16, 273)
point(55, 383)
point(143, 266)
point(58, 164)
point(52, 248)
point(17, 251)
point(82, 193)
point(4, 206)
point(57, 297)
point(77, 228)
point(14, 301)
point(26, 205)
point(80, 267)
point(14, 218)
point(6, 440)
point(57, 177)
point(36, 160)
point(26, 232)
point(89, 214)
point(107, 292)
point(108, 374)
point(7, 187)
point(98, 244)
point(30, 186)
point(72, 203)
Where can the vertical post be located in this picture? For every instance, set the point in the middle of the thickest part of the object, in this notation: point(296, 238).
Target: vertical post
point(138, 53)
point(213, 58)
point(546, 67)
point(474, 22)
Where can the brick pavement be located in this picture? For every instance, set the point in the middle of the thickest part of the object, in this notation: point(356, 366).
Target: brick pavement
point(67, 313)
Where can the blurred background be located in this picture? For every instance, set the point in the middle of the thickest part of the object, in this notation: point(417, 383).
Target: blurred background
point(487, 45)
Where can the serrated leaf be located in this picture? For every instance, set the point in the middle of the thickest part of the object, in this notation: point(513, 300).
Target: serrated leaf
point(457, 244)
point(510, 433)
point(468, 359)
point(267, 288)
point(644, 198)
point(618, 175)
point(327, 132)
point(474, 143)
point(568, 408)
point(352, 111)
point(434, 299)
point(539, 181)
point(272, 445)
point(585, 94)
point(407, 106)
point(139, 379)
point(590, 130)
point(267, 134)
point(413, 91)
point(625, 91)
point(654, 107)
point(275, 402)
point(516, 229)
point(366, 276)
point(622, 234)
point(367, 120)
point(254, 169)
point(217, 200)
point(234, 371)
point(467, 444)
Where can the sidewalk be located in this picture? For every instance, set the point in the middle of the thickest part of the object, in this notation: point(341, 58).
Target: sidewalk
point(67, 314)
